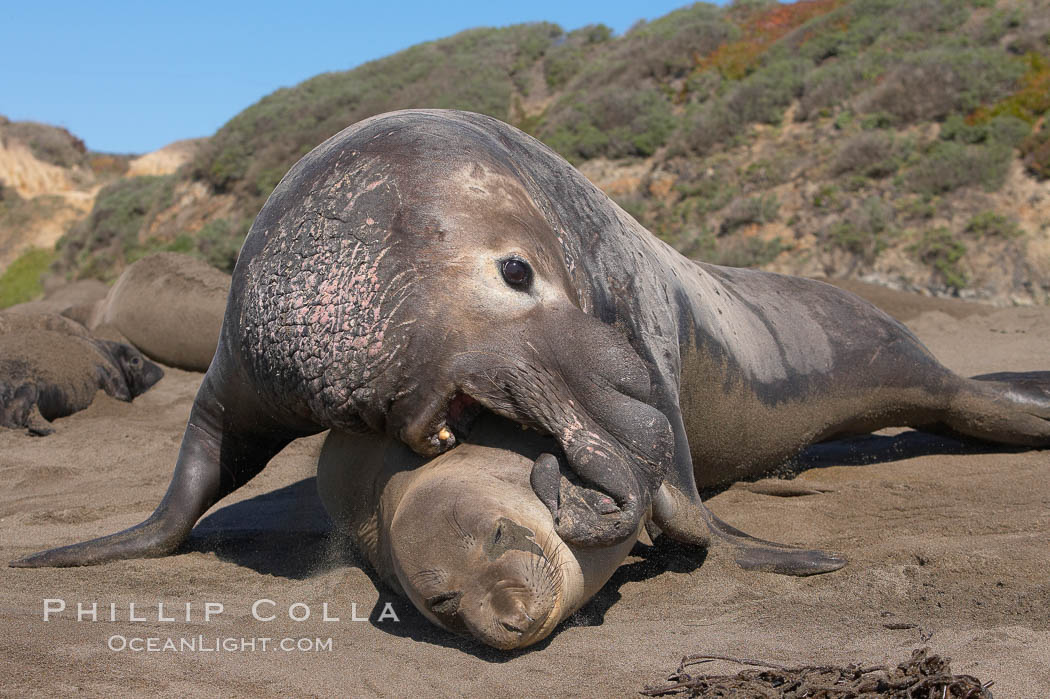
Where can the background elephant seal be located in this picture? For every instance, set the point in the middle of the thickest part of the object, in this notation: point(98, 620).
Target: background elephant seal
point(169, 306)
point(74, 300)
point(420, 264)
point(51, 367)
point(462, 535)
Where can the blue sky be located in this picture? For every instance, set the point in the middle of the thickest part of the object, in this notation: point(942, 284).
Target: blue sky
point(131, 77)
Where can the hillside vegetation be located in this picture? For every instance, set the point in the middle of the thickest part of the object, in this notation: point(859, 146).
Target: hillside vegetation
point(902, 141)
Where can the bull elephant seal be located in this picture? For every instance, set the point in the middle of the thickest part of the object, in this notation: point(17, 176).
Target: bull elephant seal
point(422, 262)
point(51, 366)
point(169, 306)
point(462, 535)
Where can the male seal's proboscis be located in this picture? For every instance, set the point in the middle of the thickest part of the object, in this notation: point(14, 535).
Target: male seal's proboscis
point(422, 263)
point(463, 535)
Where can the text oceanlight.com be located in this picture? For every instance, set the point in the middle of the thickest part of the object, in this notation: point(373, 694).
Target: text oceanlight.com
point(217, 644)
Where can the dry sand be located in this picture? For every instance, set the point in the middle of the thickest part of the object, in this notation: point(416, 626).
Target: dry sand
point(947, 543)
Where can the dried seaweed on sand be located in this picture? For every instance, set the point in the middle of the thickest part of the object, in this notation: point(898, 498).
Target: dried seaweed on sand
point(923, 675)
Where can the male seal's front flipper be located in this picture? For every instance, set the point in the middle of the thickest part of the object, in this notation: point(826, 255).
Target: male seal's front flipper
point(688, 520)
point(563, 497)
point(216, 458)
point(545, 479)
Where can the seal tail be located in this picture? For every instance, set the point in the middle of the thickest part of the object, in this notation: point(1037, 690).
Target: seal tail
point(689, 521)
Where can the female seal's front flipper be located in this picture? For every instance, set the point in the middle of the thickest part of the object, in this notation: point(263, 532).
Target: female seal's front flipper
point(688, 520)
point(216, 458)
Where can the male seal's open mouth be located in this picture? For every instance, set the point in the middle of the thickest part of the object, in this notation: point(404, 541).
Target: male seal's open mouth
point(444, 424)
point(450, 423)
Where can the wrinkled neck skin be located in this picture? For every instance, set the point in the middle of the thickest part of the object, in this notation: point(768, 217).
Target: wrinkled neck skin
point(463, 536)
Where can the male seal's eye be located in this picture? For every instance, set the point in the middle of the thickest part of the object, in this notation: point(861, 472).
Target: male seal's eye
point(516, 272)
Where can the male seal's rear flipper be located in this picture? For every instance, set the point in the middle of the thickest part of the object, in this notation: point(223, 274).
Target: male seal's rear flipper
point(688, 520)
point(1004, 407)
point(216, 458)
point(1026, 389)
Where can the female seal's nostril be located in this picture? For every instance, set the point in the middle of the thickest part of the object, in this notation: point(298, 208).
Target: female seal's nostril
point(518, 621)
point(513, 626)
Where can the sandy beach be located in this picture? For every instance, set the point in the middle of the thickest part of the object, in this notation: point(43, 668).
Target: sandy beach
point(949, 547)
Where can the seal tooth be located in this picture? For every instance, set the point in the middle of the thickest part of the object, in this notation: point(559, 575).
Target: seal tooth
point(444, 434)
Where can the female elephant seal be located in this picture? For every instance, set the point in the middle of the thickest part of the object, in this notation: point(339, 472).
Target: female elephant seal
point(420, 262)
point(51, 367)
point(462, 535)
point(169, 306)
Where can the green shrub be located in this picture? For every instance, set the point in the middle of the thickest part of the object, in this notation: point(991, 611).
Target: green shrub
point(617, 102)
point(740, 251)
point(1003, 129)
point(21, 281)
point(924, 17)
point(768, 172)
point(848, 31)
point(940, 251)
point(612, 123)
point(567, 56)
point(827, 87)
point(865, 231)
point(708, 125)
point(997, 24)
point(994, 224)
point(828, 198)
point(219, 242)
point(707, 193)
point(762, 96)
point(918, 207)
point(934, 83)
point(949, 165)
point(757, 209)
point(98, 245)
point(869, 154)
point(876, 120)
point(561, 65)
point(667, 47)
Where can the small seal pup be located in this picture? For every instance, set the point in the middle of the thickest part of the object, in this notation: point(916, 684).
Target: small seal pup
point(462, 535)
point(51, 366)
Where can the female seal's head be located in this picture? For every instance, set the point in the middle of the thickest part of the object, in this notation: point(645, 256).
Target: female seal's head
point(472, 565)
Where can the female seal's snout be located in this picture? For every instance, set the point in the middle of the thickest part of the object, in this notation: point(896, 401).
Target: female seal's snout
point(518, 609)
point(513, 613)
